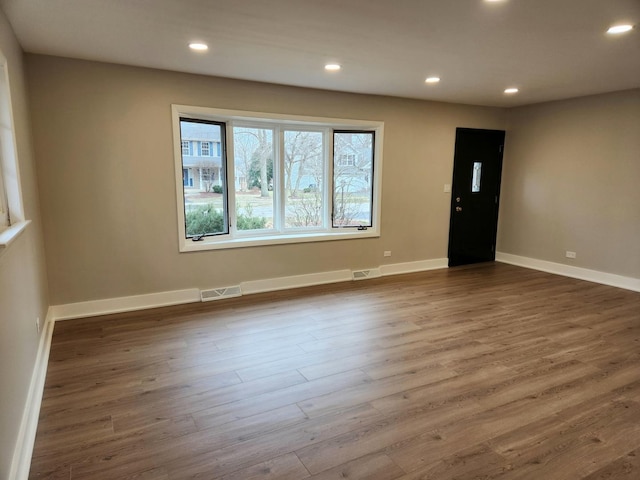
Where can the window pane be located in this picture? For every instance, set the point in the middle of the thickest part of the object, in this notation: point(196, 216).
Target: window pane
point(203, 180)
point(352, 179)
point(303, 178)
point(253, 160)
point(477, 173)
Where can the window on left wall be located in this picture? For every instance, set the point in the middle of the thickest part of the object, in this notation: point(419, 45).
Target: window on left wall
point(5, 217)
point(11, 210)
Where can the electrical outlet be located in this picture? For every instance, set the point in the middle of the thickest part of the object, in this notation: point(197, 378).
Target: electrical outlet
point(447, 188)
point(569, 254)
point(38, 324)
point(387, 253)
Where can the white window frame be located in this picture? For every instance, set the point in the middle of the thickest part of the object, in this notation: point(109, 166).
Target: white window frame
point(236, 239)
point(202, 145)
point(184, 145)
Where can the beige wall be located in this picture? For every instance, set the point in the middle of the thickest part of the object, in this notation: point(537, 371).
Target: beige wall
point(571, 181)
point(23, 291)
point(103, 141)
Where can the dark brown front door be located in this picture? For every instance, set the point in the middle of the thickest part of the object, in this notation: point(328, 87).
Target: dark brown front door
point(477, 169)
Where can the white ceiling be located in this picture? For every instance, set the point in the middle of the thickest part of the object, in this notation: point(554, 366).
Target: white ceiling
point(550, 49)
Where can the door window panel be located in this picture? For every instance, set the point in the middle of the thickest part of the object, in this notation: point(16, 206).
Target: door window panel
point(475, 180)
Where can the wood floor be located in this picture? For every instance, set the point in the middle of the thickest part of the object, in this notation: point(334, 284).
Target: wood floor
point(484, 372)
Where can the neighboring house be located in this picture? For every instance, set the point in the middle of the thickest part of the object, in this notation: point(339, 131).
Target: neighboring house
point(201, 157)
point(352, 163)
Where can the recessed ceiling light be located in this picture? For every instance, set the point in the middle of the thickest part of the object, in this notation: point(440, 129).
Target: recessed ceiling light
point(332, 67)
point(199, 47)
point(620, 29)
point(432, 80)
point(511, 90)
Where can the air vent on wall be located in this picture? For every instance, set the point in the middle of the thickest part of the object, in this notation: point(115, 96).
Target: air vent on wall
point(362, 274)
point(219, 293)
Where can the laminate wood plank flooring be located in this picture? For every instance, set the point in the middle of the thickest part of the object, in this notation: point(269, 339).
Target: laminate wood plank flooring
point(489, 371)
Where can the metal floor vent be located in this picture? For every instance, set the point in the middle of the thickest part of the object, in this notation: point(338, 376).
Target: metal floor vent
point(362, 274)
point(219, 293)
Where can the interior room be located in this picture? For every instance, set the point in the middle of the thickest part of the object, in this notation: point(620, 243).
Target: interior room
point(327, 326)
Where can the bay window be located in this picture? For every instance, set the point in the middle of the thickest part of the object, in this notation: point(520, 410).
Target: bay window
point(276, 178)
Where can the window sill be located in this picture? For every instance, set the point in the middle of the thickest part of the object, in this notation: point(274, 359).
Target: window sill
point(9, 235)
point(213, 243)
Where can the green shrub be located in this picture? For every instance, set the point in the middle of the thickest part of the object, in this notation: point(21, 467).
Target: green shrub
point(216, 189)
point(204, 219)
point(246, 222)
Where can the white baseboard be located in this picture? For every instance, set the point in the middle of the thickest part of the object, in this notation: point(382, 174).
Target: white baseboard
point(297, 281)
point(411, 267)
point(21, 461)
point(93, 308)
point(628, 283)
